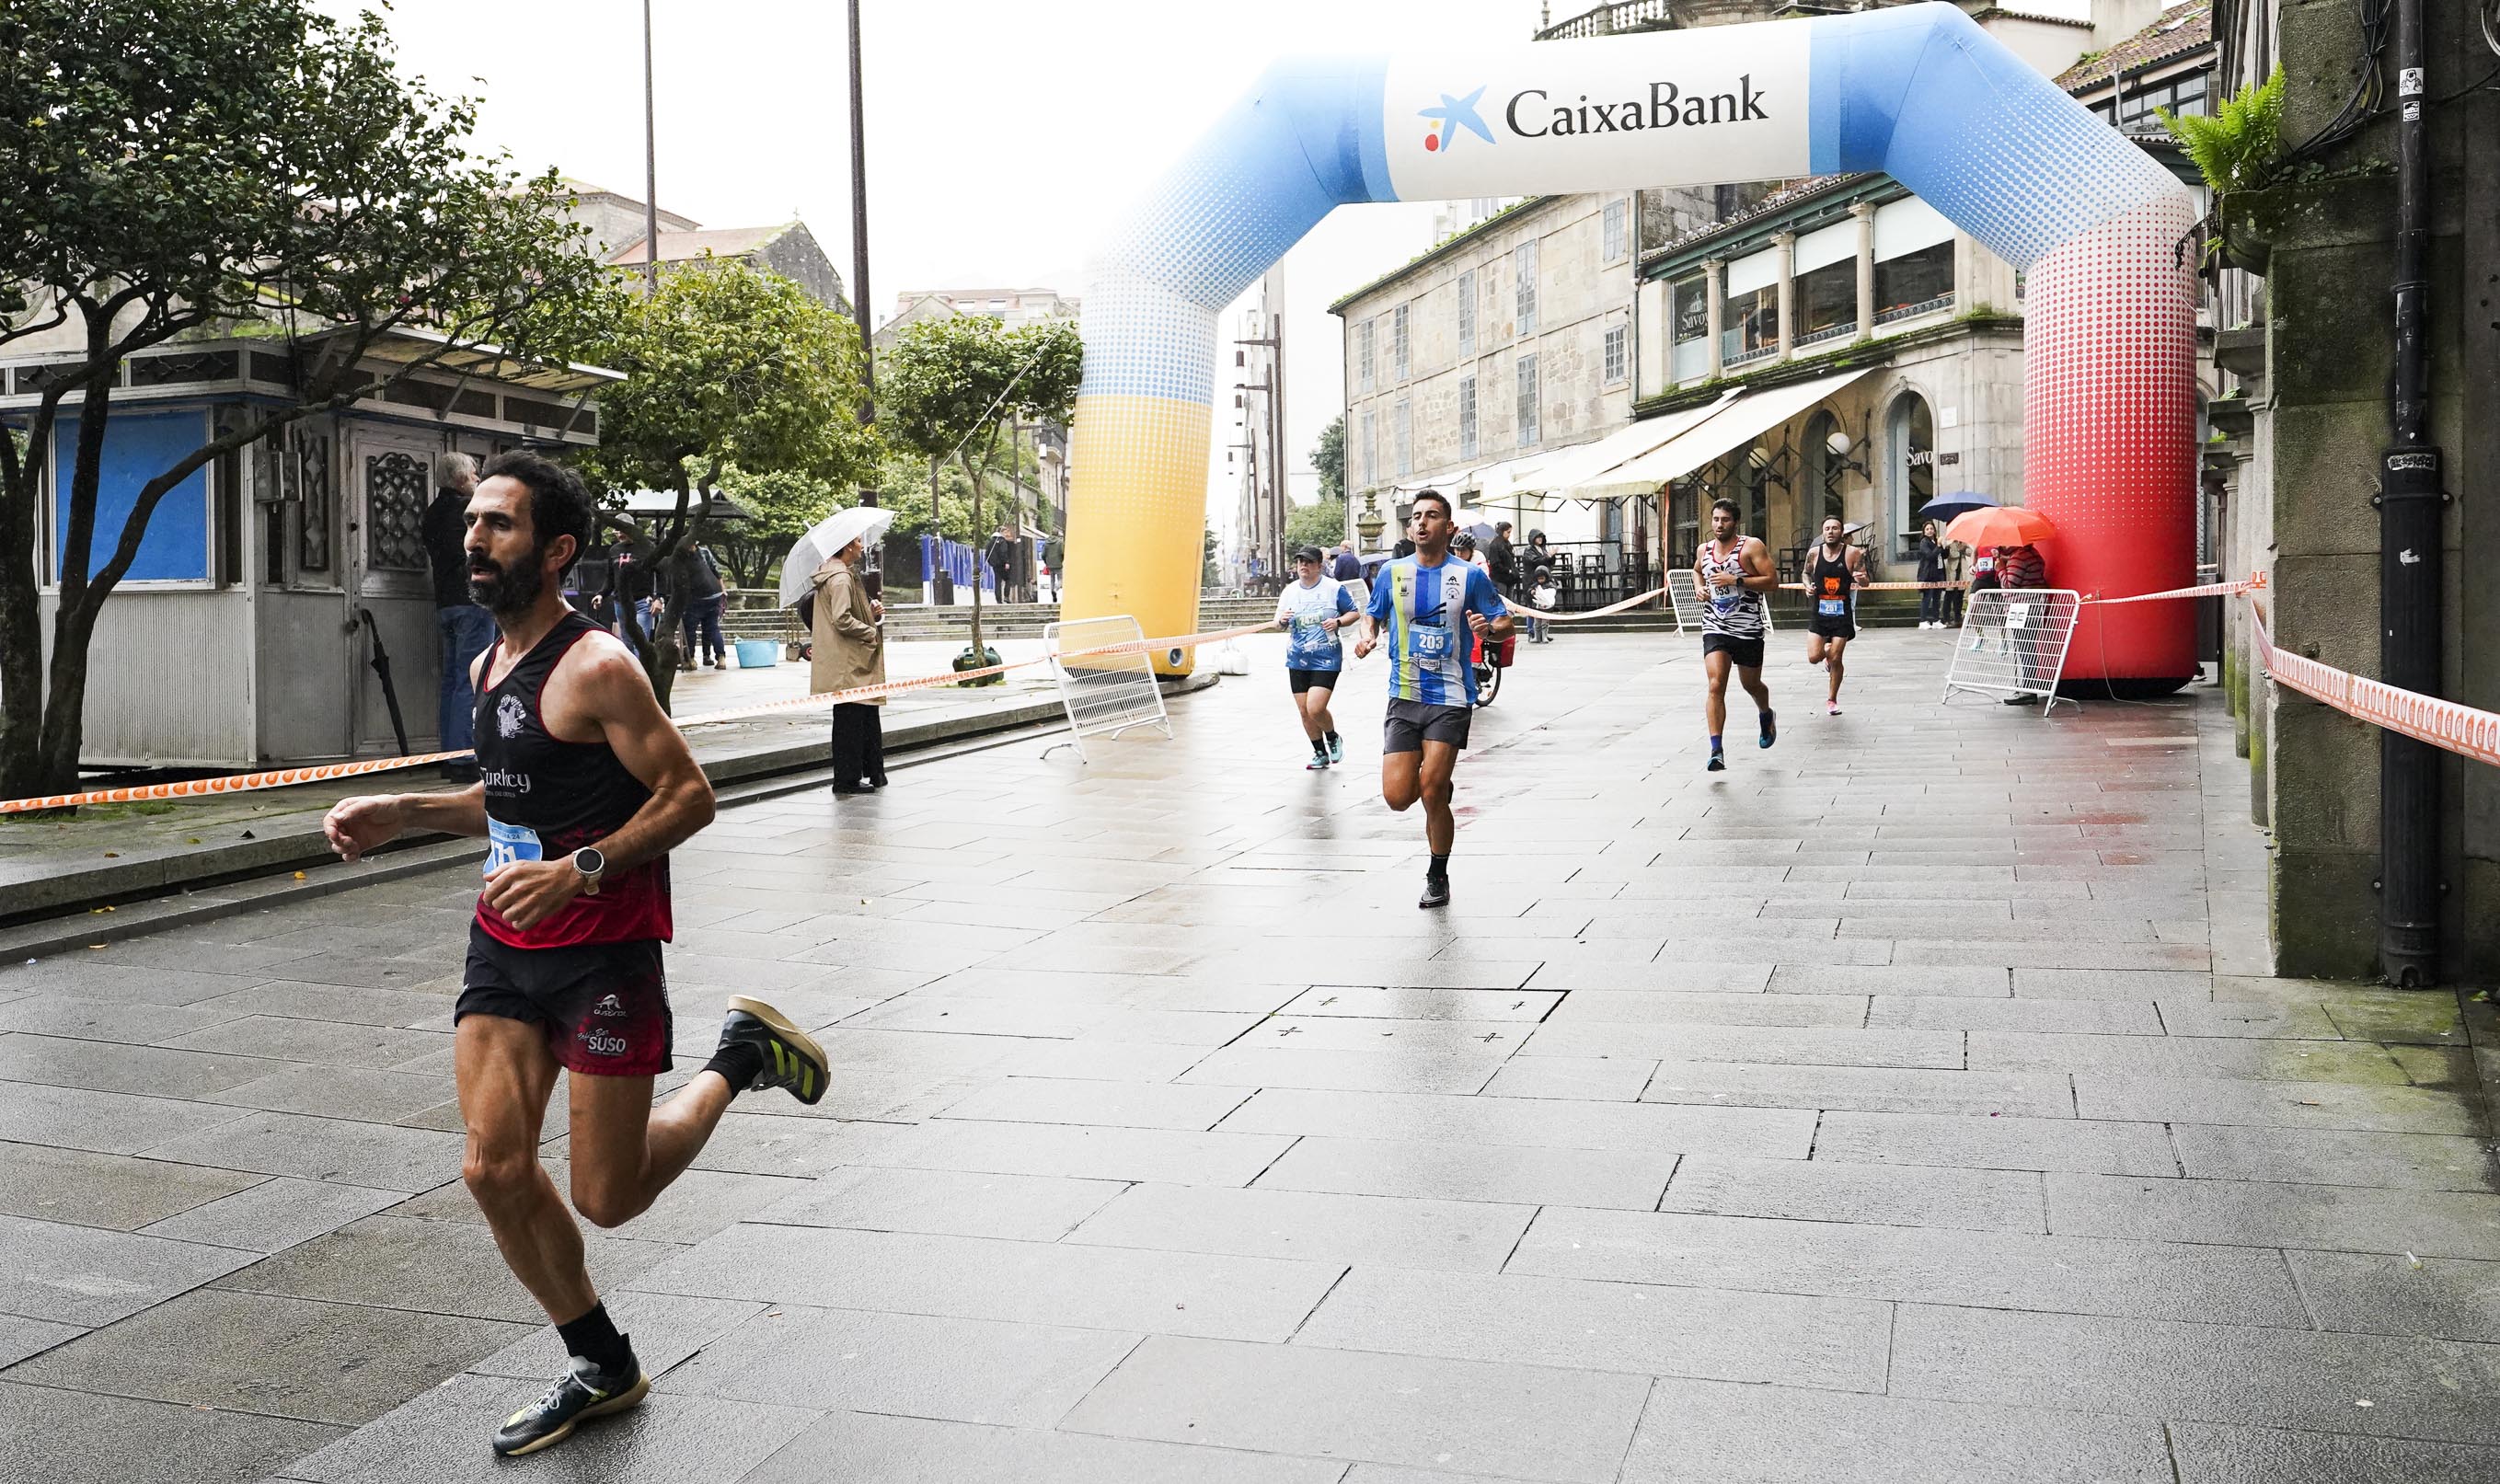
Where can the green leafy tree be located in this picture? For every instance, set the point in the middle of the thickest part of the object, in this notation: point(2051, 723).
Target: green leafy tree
point(1328, 458)
point(726, 368)
point(1321, 524)
point(252, 167)
point(948, 389)
point(781, 505)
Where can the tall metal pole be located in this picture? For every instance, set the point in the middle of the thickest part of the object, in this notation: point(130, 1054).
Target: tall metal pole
point(650, 166)
point(859, 214)
point(2409, 503)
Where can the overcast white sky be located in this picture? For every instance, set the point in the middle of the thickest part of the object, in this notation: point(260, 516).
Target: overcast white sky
point(1001, 132)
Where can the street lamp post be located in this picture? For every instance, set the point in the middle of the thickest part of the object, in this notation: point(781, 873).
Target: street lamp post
point(650, 166)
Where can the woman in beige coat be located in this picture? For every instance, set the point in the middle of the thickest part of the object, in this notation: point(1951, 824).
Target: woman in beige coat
point(850, 653)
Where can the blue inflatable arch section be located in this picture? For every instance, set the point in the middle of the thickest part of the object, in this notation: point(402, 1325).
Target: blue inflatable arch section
point(1919, 92)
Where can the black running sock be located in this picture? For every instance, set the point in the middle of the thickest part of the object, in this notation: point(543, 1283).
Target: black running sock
point(1439, 870)
point(1329, 738)
point(593, 1337)
point(738, 1062)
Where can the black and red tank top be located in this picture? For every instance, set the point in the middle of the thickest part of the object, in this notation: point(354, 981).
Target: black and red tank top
point(1830, 581)
point(546, 798)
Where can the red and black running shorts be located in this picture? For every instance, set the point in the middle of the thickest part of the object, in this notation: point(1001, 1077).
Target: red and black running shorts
point(605, 1007)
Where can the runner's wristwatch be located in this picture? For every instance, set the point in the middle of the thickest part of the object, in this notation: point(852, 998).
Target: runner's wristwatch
point(592, 864)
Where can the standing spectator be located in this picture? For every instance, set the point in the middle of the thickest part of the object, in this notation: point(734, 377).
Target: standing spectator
point(850, 653)
point(1983, 580)
point(1501, 562)
point(465, 628)
point(2022, 568)
point(1544, 595)
point(1003, 562)
point(696, 588)
point(1954, 594)
point(630, 585)
point(1348, 566)
point(1931, 569)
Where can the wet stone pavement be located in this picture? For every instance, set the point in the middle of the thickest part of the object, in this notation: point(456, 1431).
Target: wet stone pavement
point(1909, 1102)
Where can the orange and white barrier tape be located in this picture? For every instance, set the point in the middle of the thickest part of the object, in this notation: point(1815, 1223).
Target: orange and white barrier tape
point(1611, 609)
point(1879, 587)
point(2459, 728)
point(2255, 581)
point(324, 773)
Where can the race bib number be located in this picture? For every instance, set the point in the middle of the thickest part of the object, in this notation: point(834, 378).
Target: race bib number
point(2018, 616)
point(1832, 608)
point(510, 843)
point(1984, 564)
point(1431, 641)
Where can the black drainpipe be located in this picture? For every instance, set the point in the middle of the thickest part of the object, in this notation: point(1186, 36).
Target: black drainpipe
point(2409, 503)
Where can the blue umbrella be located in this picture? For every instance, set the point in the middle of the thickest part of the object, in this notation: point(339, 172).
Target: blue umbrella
point(1961, 501)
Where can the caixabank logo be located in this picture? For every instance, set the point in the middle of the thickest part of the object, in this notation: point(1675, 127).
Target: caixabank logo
point(1532, 113)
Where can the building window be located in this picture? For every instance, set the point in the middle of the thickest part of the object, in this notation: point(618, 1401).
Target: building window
point(1529, 433)
point(1827, 302)
point(1370, 446)
point(1751, 324)
point(1616, 245)
point(1467, 313)
point(1689, 316)
point(1910, 466)
point(2134, 109)
point(1522, 261)
point(1399, 361)
point(1915, 283)
point(1403, 432)
point(1363, 355)
point(1467, 416)
point(1616, 338)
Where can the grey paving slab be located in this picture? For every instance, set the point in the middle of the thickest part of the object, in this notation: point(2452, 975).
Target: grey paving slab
point(1835, 1343)
point(86, 1275)
point(1452, 1172)
point(2379, 1293)
point(1218, 1158)
point(1652, 1007)
point(665, 1328)
point(280, 1357)
point(102, 1067)
point(2209, 1454)
point(1985, 1141)
point(92, 979)
point(1413, 1003)
point(2229, 1018)
point(2078, 1017)
point(360, 1093)
point(108, 1123)
point(952, 1203)
point(105, 1190)
point(274, 1214)
point(325, 1042)
point(1993, 1269)
point(971, 1277)
point(2268, 1059)
point(439, 1437)
point(1682, 975)
point(1829, 1188)
point(2436, 1390)
point(1713, 1432)
point(110, 1020)
point(1875, 1089)
point(408, 1008)
point(1519, 1421)
point(1781, 1045)
point(2383, 1109)
point(916, 1364)
point(696, 1205)
point(74, 1437)
point(1576, 1078)
point(1637, 1128)
point(21, 1337)
point(2256, 1213)
point(864, 1446)
point(1384, 1071)
point(1115, 1104)
point(430, 1266)
point(335, 1149)
point(2335, 1157)
point(1465, 1237)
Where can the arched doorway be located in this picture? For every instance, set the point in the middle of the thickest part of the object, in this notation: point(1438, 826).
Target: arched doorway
point(1819, 496)
point(1909, 469)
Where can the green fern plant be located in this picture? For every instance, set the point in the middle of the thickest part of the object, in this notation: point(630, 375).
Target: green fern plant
point(2238, 146)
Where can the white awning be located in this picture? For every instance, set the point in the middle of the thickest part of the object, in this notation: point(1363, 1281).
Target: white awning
point(1729, 423)
point(1497, 483)
point(1573, 470)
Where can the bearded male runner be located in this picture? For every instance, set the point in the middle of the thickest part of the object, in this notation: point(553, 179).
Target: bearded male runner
point(1424, 600)
point(1832, 577)
point(1734, 570)
point(586, 788)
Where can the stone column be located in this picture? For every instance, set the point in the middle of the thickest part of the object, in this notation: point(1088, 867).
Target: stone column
point(1785, 245)
point(1864, 212)
point(1714, 284)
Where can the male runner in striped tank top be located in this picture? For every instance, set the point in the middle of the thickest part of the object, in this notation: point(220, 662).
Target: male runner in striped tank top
point(586, 788)
point(1735, 571)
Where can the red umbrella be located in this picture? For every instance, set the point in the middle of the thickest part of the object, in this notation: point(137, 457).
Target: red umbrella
point(2001, 525)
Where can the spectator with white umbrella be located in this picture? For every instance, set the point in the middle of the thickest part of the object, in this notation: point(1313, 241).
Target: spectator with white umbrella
point(850, 638)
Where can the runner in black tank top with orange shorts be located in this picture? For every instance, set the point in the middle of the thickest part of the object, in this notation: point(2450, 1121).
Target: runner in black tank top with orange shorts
point(1834, 573)
point(586, 788)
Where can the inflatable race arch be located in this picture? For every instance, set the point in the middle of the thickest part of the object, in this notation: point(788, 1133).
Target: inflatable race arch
point(1917, 91)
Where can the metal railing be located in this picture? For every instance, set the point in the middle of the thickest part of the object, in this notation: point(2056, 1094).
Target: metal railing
point(1612, 20)
point(1914, 311)
point(1827, 332)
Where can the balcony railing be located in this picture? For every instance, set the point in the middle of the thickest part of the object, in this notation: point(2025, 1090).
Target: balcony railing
point(1749, 357)
point(1612, 20)
point(1914, 311)
point(1841, 331)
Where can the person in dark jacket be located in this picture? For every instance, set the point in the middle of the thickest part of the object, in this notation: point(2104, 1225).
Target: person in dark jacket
point(1003, 562)
point(1931, 569)
point(2018, 569)
point(465, 629)
point(1502, 561)
point(696, 593)
point(1348, 566)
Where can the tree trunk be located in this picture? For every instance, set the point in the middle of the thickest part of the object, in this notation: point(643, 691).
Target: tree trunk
point(22, 634)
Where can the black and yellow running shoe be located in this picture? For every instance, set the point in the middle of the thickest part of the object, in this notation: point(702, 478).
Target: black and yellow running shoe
point(581, 1392)
point(792, 1059)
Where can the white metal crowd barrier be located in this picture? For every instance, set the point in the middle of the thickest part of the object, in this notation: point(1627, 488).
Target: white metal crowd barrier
point(1103, 694)
point(1684, 593)
point(2013, 642)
